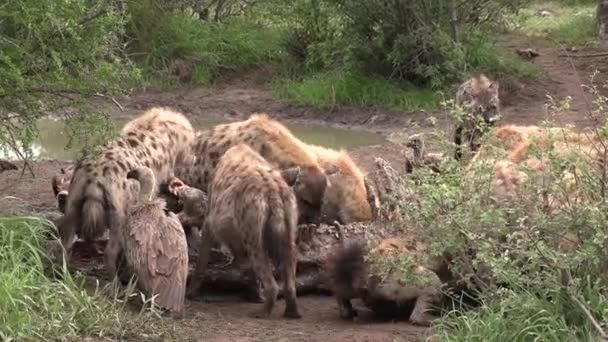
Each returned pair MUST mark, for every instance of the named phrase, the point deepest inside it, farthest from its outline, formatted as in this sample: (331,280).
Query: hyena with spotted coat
(99,195)
(270,139)
(346,199)
(253,211)
(478,97)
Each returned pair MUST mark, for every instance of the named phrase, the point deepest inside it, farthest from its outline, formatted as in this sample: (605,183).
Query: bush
(52,54)
(414,41)
(164,36)
(534,259)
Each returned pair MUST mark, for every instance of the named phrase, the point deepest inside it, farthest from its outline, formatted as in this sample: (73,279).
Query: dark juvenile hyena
(61,184)
(479,99)
(351,275)
(154,245)
(99,191)
(270,139)
(253,211)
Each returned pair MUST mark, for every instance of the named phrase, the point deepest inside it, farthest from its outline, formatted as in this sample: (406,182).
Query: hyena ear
(291,175)
(331,170)
(62,170)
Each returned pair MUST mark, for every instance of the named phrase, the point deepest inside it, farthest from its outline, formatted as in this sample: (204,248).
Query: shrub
(52,54)
(535,261)
(163,36)
(414,41)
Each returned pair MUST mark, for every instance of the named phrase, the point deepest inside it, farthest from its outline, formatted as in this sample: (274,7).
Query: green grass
(351,88)
(34,306)
(524,316)
(483,53)
(234,44)
(574,25)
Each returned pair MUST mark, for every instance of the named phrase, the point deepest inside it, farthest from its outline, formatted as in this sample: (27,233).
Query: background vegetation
(56,55)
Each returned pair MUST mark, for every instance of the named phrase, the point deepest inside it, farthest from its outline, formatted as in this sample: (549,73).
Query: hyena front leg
(458,142)
(204,253)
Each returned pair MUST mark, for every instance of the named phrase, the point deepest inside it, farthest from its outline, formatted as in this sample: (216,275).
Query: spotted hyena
(346,199)
(353,275)
(270,139)
(479,99)
(253,211)
(99,192)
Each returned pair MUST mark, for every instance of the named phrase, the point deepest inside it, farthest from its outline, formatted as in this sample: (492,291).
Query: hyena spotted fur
(352,274)
(346,199)
(253,211)
(270,139)
(99,192)
(478,97)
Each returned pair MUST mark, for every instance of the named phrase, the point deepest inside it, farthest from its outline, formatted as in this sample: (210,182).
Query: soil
(237,97)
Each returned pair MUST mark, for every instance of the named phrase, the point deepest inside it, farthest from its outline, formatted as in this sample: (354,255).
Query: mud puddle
(53,137)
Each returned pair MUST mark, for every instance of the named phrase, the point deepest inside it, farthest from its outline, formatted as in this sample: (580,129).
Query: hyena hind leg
(420,315)
(263,270)
(289,281)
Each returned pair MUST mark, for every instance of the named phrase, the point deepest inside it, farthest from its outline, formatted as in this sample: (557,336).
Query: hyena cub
(352,274)
(270,139)
(154,245)
(61,184)
(98,196)
(479,98)
(253,211)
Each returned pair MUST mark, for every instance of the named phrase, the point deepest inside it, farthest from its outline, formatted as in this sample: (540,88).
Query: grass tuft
(573,24)
(34,305)
(351,88)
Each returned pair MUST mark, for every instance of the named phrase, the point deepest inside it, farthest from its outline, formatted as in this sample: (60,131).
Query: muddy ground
(235,98)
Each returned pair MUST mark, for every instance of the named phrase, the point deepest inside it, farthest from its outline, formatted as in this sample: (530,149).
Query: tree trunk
(602,19)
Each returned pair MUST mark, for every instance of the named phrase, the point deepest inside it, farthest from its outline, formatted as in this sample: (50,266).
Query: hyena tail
(347,268)
(86,210)
(279,227)
(95,216)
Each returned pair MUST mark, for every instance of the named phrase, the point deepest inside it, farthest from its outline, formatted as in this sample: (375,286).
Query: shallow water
(53,138)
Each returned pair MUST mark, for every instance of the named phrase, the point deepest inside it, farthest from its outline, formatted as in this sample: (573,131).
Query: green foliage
(524,316)
(573,24)
(164,36)
(484,54)
(532,246)
(414,41)
(351,88)
(51,54)
(34,306)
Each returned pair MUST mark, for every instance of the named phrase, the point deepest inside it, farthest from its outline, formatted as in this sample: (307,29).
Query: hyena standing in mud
(479,99)
(253,211)
(274,142)
(99,193)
